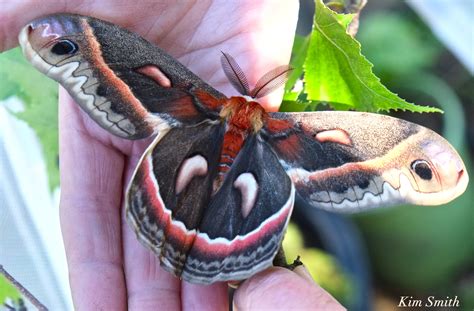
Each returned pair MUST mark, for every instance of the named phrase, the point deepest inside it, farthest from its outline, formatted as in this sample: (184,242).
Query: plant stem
(22,290)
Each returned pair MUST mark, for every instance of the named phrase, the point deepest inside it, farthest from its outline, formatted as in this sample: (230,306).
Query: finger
(282,289)
(16,14)
(91,188)
(272,42)
(267,30)
(204,297)
(147,283)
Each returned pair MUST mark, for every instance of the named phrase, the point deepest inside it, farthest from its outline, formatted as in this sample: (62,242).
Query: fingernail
(234,284)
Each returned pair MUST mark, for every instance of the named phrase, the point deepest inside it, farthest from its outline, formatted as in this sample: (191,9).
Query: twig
(25,293)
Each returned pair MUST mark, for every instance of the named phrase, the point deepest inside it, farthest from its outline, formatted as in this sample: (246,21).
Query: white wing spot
(153,72)
(248,187)
(191,167)
(336,136)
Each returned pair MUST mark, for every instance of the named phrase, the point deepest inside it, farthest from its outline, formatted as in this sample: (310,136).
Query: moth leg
(280,260)
(297,262)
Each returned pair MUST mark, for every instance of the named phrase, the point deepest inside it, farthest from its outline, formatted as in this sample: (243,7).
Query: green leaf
(293,106)
(300,47)
(345,19)
(18,77)
(336,71)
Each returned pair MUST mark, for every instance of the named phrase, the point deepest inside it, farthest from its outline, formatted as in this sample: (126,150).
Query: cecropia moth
(213,193)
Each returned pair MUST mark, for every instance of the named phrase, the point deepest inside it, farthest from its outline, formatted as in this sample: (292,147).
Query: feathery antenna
(267,84)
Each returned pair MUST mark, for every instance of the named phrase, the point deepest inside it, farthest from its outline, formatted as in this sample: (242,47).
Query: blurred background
(421,50)
(424,52)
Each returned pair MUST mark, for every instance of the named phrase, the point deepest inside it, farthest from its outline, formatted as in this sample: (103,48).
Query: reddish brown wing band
(213,193)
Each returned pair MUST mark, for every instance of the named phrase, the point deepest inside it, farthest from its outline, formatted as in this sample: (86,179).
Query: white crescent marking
(191,167)
(248,187)
(336,136)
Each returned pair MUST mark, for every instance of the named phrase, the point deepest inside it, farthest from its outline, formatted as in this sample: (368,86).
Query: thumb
(281,289)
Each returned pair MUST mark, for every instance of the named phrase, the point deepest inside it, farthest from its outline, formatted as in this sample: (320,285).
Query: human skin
(108,268)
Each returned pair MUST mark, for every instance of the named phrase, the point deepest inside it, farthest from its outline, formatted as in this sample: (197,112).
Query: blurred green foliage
(323,267)
(397,44)
(39,94)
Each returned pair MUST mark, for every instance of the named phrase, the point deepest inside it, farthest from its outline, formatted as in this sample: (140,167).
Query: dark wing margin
(127,85)
(353,161)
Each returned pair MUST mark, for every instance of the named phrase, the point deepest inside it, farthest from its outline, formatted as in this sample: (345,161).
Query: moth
(213,193)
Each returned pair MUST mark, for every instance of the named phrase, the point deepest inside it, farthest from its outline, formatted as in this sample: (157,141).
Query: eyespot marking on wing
(336,136)
(248,187)
(64,47)
(154,73)
(422,169)
(191,167)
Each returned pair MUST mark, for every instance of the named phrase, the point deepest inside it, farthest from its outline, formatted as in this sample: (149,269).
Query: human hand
(108,268)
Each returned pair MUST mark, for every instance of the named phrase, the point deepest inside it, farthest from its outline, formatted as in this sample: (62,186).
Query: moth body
(242,117)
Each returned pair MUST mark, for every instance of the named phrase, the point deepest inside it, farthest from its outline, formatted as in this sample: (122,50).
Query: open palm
(108,267)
